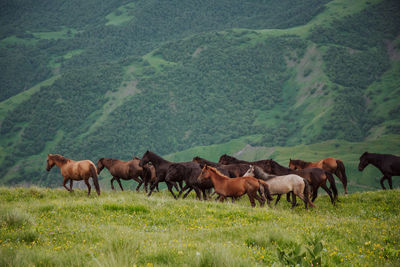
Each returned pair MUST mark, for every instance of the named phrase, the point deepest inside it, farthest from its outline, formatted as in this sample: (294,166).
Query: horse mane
(300,163)
(259,173)
(204,161)
(134,157)
(217,171)
(59,158)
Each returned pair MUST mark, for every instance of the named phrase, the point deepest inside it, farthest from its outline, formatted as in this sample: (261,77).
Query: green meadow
(52,227)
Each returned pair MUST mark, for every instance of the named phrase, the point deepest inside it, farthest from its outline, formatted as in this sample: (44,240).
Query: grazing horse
(74,170)
(278,185)
(119,169)
(160,165)
(331,165)
(388,164)
(231,170)
(235,187)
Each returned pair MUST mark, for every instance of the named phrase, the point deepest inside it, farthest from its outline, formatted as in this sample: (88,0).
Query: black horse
(388,164)
(161,166)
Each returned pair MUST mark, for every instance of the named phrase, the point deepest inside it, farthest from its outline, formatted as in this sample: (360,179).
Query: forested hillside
(114,78)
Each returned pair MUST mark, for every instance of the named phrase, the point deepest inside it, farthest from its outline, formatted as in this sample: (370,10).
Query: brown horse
(331,165)
(74,170)
(119,169)
(231,170)
(235,187)
(150,177)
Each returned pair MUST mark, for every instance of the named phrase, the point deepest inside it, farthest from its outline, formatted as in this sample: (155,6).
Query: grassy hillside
(48,227)
(170,76)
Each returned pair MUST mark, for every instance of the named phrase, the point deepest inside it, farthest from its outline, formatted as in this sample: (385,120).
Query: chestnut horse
(235,187)
(388,164)
(284,184)
(119,169)
(74,170)
(331,165)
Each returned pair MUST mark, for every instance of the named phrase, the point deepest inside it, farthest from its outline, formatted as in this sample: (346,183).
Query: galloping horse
(231,170)
(226,160)
(284,184)
(119,169)
(329,164)
(161,166)
(236,187)
(74,170)
(316,177)
(388,164)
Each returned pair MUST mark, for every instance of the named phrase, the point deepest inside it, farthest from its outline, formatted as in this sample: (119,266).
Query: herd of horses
(229,177)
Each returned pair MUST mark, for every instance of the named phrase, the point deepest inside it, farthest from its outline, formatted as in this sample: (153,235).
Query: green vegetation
(50,227)
(171,76)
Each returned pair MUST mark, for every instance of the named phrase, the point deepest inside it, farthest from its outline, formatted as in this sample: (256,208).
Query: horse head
(145,159)
(100,165)
(205,173)
(50,162)
(363,161)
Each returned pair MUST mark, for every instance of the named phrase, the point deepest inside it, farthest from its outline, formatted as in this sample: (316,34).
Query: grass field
(51,227)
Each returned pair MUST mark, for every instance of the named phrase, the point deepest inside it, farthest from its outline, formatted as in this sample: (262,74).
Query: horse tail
(306,193)
(331,180)
(95,179)
(266,189)
(341,173)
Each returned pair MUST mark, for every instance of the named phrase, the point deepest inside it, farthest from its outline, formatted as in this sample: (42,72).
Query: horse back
(78,169)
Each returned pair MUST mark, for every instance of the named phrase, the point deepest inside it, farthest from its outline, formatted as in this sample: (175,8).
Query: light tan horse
(235,187)
(284,184)
(329,164)
(74,170)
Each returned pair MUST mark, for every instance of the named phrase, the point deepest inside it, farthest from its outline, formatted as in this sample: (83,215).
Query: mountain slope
(166,77)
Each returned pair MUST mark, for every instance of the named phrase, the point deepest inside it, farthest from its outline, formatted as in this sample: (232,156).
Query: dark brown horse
(329,164)
(235,187)
(388,164)
(74,170)
(161,167)
(316,177)
(226,160)
(231,170)
(119,169)
(150,177)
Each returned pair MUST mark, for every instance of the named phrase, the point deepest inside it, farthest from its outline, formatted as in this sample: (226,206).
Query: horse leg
(139,185)
(70,184)
(389,180)
(294,201)
(120,185)
(260,199)
(198,194)
(314,193)
(329,193)
(277,199)
(112,181)
(64,184)
(204,194)
(88,186)
(381,181)
(187,193)
(252,202)
(288,197)
(169,184)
